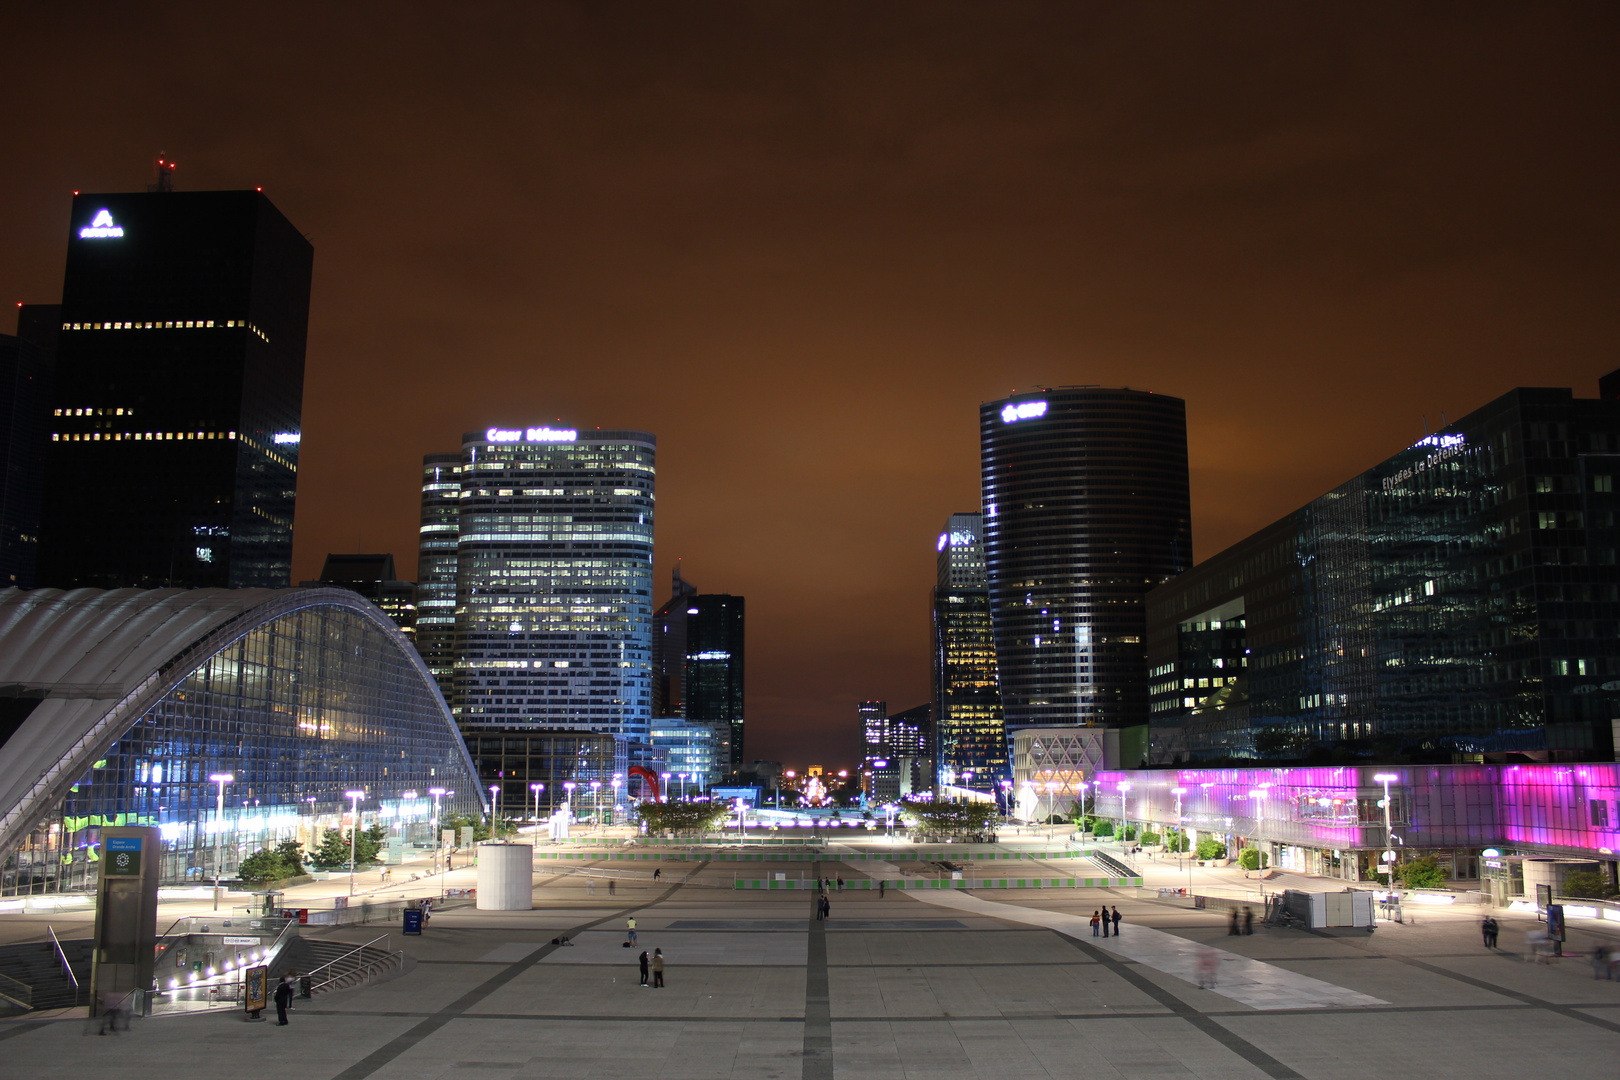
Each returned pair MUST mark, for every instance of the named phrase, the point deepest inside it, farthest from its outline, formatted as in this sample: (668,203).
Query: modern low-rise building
(1339,820)
(230,720)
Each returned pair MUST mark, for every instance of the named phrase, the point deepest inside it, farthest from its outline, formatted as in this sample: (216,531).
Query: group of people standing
(1246,926)
(1102,919)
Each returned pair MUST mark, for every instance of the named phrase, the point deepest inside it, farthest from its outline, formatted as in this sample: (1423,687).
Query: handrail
(10,988)
(345,956)
(63,954)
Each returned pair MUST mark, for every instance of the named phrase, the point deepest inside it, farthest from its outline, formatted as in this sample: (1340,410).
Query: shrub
(1130,832)
(1150,838)
(1252,859)
(1211,849)
(1176,842)
(1421,873)
(1103,828)
(1586,885)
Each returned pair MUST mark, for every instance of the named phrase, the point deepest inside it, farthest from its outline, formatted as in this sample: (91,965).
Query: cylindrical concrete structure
(505,877)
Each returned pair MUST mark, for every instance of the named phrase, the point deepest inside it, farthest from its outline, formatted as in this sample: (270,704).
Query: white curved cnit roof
(100,660)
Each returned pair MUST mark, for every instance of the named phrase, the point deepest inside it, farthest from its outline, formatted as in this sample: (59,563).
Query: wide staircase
(32,976)
(337,965)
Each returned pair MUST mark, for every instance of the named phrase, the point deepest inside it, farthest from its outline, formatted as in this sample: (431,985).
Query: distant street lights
(537,789)
(613,807)
(220,778)
(1124,789)
(1178,792)
(666,777)
(354,798)
(596,801)
(682,778)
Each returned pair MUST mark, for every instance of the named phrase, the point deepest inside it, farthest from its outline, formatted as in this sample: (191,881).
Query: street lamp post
(1006,800)
(596,802)
(1124,788)
(438,836)
(537,789)
(1178,792)
(613,807)
(666,777)
(220,778)
(1388,858)
(1259,797)
(354,798)
(1082,785)
(494,809)
(568,799)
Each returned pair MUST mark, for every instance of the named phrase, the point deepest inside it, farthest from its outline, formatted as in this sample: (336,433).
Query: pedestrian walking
(658,969)
(284,996)
(826,908)
(882,886)
(1248,920)
(590,886)
(1614,962)
(658,873)
(1095,919)
(1105,921)
(613,887)
(643,967)
(1208,964)
(1116,920)
(840,884)
(630,928)
(1600,962)
(1488,930)
(1234,930)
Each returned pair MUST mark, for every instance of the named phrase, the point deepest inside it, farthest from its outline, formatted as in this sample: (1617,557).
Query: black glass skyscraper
(175,418)
(715,627)
(27,362)
(1086,509)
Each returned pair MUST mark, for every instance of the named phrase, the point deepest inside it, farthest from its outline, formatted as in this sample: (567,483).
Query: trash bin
(304,984)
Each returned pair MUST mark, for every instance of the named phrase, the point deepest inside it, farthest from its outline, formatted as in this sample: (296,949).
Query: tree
(1103,827)
(1211,849)
(681,818)
(956,820)
(1421,873)
(1252,859)
(1130,832)
(333,852)
(1150,838)
(285,860)
(1176,842)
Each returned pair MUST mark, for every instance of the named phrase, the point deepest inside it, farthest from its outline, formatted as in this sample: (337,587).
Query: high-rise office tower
(436,567)
(715,624)
(27,363)
(872,715)
(373,577)
(971,738)
(554,581)
(669,648)
(1086,509)
(179,388)
(698,664)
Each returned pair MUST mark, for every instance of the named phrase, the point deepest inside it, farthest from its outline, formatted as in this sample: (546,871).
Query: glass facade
(970,734)
(1085,509)
(27,367)
(692,749)
(436,567)
(1457,602)
(513,760)
(715,665)
(178,394)
(1329,820)
(299,708)
(554,581)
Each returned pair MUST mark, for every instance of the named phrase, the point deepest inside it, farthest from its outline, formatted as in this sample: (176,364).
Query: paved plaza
(936,984)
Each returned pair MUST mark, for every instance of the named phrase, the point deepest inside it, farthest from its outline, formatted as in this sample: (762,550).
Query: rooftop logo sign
(101,226)
(534,434)
(1024,410)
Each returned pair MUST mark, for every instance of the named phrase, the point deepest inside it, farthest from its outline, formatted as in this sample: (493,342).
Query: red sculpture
(649,778)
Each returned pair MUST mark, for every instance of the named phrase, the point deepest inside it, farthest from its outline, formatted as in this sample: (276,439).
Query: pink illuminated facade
(1329,820)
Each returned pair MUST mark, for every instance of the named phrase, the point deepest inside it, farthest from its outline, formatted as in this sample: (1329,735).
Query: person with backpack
(658,969)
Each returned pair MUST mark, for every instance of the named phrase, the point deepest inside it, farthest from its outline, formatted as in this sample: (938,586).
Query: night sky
(802,242)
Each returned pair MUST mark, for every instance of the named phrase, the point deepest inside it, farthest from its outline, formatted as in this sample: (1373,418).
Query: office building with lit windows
(27,366)
(699,665)
(1085,509)
(373,577)
(1456,603)
(178,395)
(970,736)
(554,604)
(439,533)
